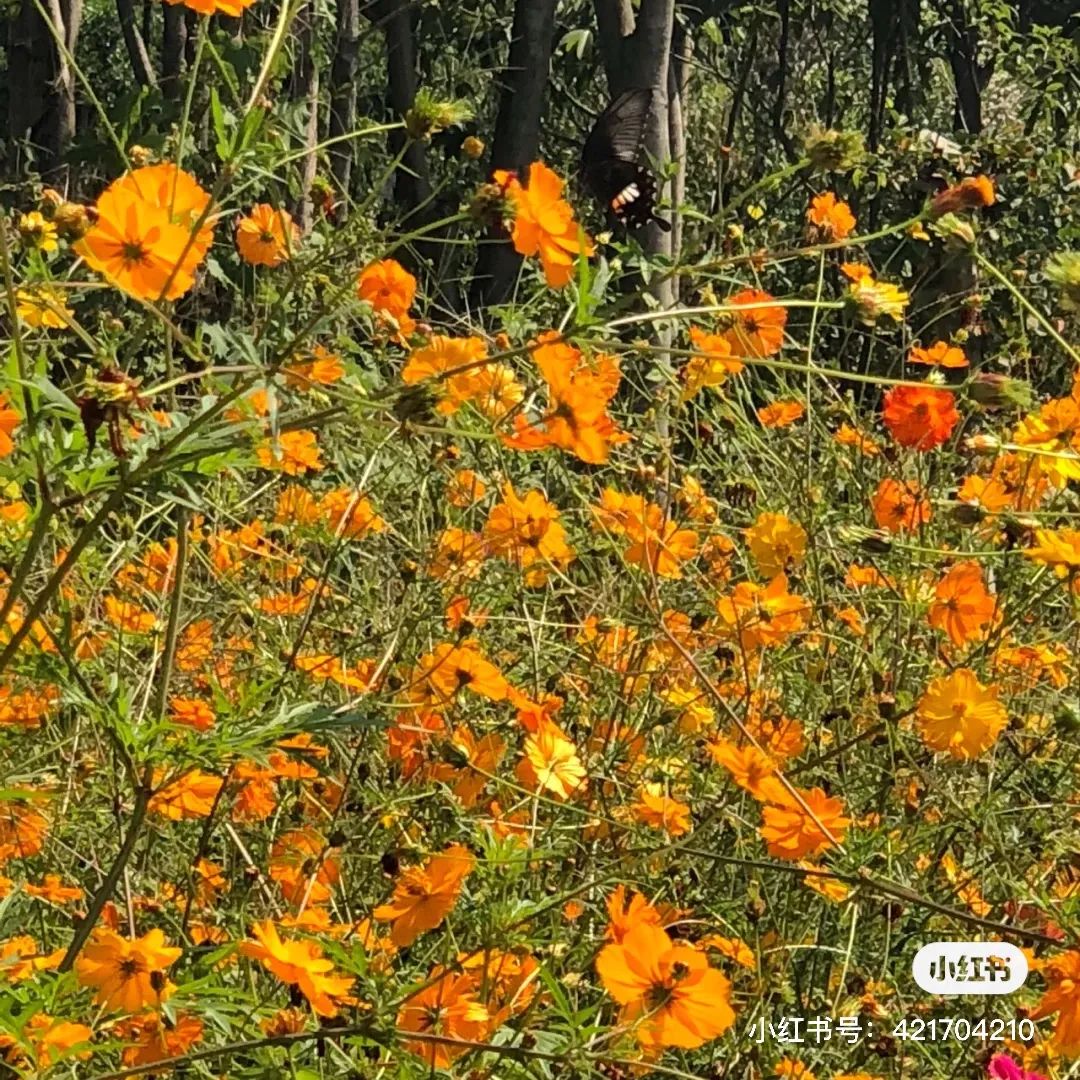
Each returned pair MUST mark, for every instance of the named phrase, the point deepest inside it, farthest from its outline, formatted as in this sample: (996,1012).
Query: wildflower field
(467,611)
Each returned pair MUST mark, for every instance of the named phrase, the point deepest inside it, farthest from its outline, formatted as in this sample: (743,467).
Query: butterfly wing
(610,160)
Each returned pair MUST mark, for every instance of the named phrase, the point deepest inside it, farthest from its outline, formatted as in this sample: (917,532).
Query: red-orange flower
(921,417)
(962,606)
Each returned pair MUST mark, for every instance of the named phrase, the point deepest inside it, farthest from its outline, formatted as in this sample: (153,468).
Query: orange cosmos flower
(192,713)
(266,237)
(971,193)
(962,606)
(233,8)
(192,795)
(550,762)
(300,964)
(141,240)
(129,617)
(295,453)
(763,616)
(22,828)
(958,714)
(526,530)
(657,809)
(158,1038)
(751,769)
(448,1008)
(900,506)
(791,832)
(127,974)
(323,369)
(178,193)
(940,354)
(656,543)
(481,758)
(301,864)
(758,330)
(713,364)
(54,891)
(846,435)
(544,223)
(781,414)
(985,493)
(391,290)
(449,669)
(453,364)
(10,419)
(830,218)
(1062,996)
(624,915)
(667,991)
(921,417)
(776,543)
(425,895)
(465,488)
(361,520)
(579,391)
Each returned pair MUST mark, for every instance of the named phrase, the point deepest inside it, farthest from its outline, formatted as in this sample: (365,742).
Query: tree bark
(173,38)
(31,67)
(517,131)
(344,70)
(305,88)
(678,90)
(135,43)
(412,184)
(969,76)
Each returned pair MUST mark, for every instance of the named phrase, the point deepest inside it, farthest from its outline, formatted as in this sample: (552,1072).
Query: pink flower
(1002,1067)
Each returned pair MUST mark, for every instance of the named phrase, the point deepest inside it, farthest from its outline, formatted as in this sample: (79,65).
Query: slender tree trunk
(678,91)
(135,43)
(31,67)
(412,184)
(969,76)
(881,25)
(305,88)
(173,38)
(65,17)
(517,131)
(343,74)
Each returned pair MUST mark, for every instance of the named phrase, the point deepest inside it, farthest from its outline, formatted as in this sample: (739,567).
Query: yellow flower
(872,300)
(958,714)
(1057,548)
(37,232)
(776,543)
(42,307)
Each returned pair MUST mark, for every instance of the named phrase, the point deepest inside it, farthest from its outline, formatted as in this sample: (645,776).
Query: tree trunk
(31,67)
(643,59)
(305,88)
(969,76)
(412,184)
(173,38)
(135,43)
(517,131)
(678,89)
(343,74)
(881,25)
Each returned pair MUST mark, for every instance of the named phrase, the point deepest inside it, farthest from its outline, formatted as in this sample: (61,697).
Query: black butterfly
(611,161)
